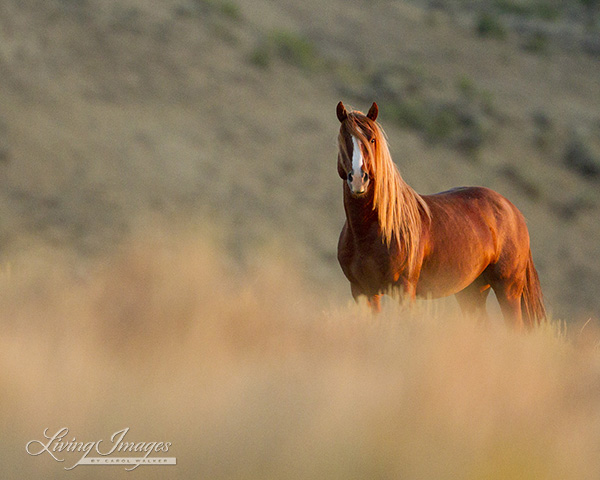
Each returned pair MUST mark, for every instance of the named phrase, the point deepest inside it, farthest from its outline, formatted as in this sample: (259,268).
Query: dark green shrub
(294,49)
(261,57)
(537,43)
(489,25)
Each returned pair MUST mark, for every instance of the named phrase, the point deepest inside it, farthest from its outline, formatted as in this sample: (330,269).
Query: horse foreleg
(406,291)
(374,301)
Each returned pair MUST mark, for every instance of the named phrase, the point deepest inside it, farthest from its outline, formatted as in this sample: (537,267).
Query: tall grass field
(249,373)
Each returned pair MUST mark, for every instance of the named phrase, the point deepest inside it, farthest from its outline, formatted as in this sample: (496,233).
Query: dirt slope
(115,114)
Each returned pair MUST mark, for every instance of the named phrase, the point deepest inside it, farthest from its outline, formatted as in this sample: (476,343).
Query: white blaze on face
(357,184)
(357,157)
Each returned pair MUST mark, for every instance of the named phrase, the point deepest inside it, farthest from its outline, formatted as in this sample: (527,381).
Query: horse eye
(373,140)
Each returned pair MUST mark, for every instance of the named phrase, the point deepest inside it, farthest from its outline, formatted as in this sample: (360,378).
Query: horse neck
(364,223)
(360,214)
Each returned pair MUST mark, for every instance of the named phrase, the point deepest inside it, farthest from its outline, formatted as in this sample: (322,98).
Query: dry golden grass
(250,375)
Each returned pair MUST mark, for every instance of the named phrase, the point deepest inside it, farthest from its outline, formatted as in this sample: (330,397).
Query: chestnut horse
(460,242)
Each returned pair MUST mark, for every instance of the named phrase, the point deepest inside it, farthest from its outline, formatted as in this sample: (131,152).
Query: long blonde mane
(399,207)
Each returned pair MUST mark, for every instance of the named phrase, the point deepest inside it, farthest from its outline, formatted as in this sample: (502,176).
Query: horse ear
(373,112)
(342,114)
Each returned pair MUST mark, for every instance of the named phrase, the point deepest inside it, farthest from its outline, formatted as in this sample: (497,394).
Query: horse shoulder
(346,251)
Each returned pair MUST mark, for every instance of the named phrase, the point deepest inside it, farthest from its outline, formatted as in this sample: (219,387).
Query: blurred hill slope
(221,112)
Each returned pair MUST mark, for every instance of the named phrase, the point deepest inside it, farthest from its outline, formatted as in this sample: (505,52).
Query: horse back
(474,211)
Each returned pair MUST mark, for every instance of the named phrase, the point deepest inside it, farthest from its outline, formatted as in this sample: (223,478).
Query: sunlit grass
(249,375)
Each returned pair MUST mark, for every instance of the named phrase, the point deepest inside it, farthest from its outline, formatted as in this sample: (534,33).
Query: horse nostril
(365,176)
(350,177)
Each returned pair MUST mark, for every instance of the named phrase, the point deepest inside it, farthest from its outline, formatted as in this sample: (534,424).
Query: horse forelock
(356,126)
(399,207)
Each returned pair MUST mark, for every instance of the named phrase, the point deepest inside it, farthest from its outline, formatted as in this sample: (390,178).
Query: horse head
(357,143)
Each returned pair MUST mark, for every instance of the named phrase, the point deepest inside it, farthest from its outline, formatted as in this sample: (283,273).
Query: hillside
(219,116)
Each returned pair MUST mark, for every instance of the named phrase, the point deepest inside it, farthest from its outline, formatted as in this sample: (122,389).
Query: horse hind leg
(509,297)
(472,300)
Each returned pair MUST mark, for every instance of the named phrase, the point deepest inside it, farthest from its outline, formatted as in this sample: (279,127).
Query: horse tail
(534,311)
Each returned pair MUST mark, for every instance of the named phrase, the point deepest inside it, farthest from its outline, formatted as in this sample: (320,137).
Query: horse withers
(460,242)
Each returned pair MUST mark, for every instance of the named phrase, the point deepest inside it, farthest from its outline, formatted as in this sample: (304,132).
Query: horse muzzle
(358,182)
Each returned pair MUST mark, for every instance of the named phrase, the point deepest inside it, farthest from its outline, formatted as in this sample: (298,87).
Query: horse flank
(399,208)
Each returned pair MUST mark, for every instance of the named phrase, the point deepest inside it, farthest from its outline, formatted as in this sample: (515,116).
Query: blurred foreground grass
(250,375)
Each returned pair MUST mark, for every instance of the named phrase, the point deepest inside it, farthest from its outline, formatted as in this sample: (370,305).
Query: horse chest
(374,270)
